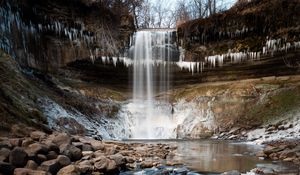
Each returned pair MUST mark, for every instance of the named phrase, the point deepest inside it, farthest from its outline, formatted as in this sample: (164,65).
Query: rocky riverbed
(63,154)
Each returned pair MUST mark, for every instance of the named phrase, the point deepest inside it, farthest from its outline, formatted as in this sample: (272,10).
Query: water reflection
(217,156)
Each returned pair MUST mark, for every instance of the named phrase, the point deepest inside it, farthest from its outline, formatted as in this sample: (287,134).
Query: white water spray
(150,47)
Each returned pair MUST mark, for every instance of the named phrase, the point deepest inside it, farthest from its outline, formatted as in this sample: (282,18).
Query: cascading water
(149,78)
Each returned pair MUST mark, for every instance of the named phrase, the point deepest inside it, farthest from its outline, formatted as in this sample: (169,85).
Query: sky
(172,3)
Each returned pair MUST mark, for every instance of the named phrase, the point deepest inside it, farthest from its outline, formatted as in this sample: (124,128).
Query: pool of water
(215,156)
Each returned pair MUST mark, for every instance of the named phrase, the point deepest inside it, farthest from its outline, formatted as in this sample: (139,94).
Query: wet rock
(261,154)
(270,149)
(69,170)
(63,160)
(274,156)
(129,159)
(18,157)
(146,164)
(31,165)
(6,168)
(38,135)
(51,166)
(289,159)
(181,170)
(4,154)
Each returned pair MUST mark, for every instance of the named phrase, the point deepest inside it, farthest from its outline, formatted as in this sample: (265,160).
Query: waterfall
(150,78)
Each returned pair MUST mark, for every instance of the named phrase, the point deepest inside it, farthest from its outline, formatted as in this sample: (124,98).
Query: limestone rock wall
(48,34)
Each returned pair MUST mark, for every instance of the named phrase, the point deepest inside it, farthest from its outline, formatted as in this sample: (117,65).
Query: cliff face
(49,34)
(243,28)
(256,39)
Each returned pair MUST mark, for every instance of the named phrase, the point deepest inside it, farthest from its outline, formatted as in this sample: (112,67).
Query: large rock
(15,142)
(6,168)
(31,165)
(85,166)
(97,145)
(18,157)
(51,166)
(71,151)
(27,141)
(119,159)
(101,163)
(38,135)
(51,155)
(112,166)
(5,143)
(69,170)
(36,148)
(61,138)
(63,160)
(25,171)
(4,154)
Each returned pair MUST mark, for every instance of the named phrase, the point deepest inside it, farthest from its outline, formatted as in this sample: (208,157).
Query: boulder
(63,160)
(38,135)
(101,163)
(119,159)
(69,170)
(26,142)
(112,166)
(36,148)
(6,168)
(52,147)
(25,171)
(51,155)
(87,153)
(61,138)
(5,143)
(18,157)
(71,151)
(78,144)
(15,142)
(40,158)
(97,145)
(4,154)
(51,166)
(270,149)
(87,147)
(31,165)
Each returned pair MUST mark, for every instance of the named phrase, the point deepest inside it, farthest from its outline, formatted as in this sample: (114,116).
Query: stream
(212,157)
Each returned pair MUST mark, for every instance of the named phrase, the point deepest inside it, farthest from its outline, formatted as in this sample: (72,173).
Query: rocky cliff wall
(49,34)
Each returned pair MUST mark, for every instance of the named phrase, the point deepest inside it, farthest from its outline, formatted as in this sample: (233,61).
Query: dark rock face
(49,34)
(242,28)
(18,157)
